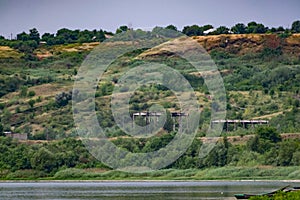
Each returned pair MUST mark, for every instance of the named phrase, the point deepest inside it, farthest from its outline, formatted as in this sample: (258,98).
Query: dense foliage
(48,158)
(42,159)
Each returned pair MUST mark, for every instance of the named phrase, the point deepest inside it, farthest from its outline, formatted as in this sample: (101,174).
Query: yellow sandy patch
(75,47)
(7,52)
(293,39)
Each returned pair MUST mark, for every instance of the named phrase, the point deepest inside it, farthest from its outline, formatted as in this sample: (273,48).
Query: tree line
(239,28)
(66,36)
(27,42)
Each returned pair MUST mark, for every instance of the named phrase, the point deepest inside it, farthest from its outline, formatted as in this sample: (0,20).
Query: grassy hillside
(261,74)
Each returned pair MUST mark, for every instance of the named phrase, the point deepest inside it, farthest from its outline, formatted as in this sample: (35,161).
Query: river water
(133,190)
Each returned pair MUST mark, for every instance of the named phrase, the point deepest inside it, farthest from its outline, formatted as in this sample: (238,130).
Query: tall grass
(223,173)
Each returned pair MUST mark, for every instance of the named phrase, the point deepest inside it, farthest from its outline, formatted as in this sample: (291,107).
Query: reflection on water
(135,190)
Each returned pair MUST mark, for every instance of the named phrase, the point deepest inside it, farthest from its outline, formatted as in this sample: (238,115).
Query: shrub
(23,92)
(63,98)
(31,93)
(268,133)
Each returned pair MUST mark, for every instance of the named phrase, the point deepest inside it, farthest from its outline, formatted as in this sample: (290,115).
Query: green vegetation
(25,161)
(279,196)
(261,77)
(262,157)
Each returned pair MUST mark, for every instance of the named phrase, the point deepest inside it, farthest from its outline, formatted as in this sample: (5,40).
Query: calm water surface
(145,190)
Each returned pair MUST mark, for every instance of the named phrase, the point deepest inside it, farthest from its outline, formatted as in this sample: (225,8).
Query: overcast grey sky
(50,15)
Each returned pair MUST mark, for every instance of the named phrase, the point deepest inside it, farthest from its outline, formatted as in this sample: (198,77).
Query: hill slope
(262,81)
(260,72)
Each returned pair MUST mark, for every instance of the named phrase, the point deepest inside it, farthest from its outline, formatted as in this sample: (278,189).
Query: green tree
(172,27)
(193,30)
(268,133)
(6,115)
(63,98)
(65,35)
(296,158)
(280,29)
(221,30)
(156,143)
(254,27)
(253,143)
(31,103)
(27,46)
(217,157)
(34,35)
(48,38)
(43,160)
(31,93)
(296,26)
(206,27)
(23,92)
(260,28)
(23,36)
(239,28)
(20,157)
(122,29)
(101,35)
(286,151)
(168,126)
(251,26)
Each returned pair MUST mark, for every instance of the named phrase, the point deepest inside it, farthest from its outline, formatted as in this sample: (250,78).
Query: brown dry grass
(290,135)
(75,47)
(43,53)
(270,116)
(36,128)
(49,89)
(33,142)
(294,39)
(44,90)
(7,52)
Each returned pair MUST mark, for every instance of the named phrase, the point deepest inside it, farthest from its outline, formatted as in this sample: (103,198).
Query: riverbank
(222,173)
(279,196)
(126,190)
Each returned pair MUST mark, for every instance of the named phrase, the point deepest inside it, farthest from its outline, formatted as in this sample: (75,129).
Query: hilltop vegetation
(260,73)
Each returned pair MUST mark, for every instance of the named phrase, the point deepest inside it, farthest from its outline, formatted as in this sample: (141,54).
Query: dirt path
(269,116)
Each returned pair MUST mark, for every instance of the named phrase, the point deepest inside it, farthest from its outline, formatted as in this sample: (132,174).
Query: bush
(63,98)
(218,54)
(23,92)
(31,93)
(271,53)
(268,133)
(44,160)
